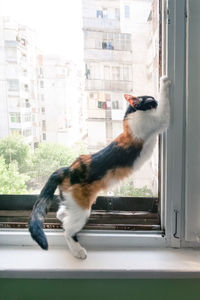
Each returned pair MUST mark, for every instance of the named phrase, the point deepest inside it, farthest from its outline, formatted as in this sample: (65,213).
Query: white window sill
(32,262)
(110,255)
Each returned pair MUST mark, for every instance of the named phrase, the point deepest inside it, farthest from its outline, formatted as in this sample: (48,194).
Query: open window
(73,114)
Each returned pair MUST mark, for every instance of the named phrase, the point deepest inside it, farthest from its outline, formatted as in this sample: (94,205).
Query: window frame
(172,151)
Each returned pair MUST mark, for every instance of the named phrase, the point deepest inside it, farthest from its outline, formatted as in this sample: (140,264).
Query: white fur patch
(73,218)
(145,124)
(145,153)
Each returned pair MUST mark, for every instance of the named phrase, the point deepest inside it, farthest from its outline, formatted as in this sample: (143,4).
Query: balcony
(108,85)
(100,23)
(108,55)
(15,125)
(96,114)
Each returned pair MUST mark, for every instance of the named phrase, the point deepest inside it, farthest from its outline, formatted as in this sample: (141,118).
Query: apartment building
(141,19)
(18,82)
(60,94)
(108,70)
(122,55)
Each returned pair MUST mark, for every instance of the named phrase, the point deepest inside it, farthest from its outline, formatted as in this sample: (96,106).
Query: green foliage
(128,190)
(11,181)
(13,148)
(49,157)
(22,170)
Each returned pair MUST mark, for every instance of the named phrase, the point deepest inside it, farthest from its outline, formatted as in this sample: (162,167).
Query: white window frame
(191,226)
(173,139)
(172,155)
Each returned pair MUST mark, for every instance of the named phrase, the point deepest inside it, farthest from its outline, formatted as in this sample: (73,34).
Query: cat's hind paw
(79,252)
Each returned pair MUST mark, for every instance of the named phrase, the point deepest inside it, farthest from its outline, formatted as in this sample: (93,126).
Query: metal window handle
(176,224)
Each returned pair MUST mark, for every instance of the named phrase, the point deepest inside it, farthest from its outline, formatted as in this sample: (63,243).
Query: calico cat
(80,183)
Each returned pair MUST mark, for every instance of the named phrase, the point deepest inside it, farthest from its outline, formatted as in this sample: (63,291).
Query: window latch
(176,212)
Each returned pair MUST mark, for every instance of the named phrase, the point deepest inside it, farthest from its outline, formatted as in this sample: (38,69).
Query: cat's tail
(42,206)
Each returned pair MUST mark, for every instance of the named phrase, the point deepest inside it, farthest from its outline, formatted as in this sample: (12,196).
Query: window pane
(66,99)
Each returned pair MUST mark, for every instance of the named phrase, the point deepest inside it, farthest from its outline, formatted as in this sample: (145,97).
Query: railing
(108,85)
(109,55)
(100,23)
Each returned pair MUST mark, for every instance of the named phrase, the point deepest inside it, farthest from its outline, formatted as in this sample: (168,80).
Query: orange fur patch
(85,195)
(64,186)
(125,140)
(82,159)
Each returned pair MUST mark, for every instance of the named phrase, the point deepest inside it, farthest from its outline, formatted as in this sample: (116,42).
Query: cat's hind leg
(73,218)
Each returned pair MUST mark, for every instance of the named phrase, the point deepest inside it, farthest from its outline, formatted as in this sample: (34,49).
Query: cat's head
(140,103)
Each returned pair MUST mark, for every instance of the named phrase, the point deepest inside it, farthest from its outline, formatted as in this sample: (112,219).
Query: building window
(13,85)
(107,72)
(43,110)
(44,136)
(26,87)
(27,117)
(126,11)
(15,118)
(87,71)
(27,132)
(116,73)
(43,125)
(105,13)
(107,97)
(16,131)
(41,84)
(27,103)
(41,73)
(117,13)
(107,45)
(99,14)
(115,104)
(126,73)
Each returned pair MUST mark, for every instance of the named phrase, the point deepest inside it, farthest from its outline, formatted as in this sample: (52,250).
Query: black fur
(111,157)
(42,206)
(79,175)
(75,238)
(146,103)
(130,109)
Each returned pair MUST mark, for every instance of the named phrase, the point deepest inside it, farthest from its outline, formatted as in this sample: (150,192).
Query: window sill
(137,262)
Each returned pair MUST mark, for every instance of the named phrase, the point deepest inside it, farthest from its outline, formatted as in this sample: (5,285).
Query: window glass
(62,90)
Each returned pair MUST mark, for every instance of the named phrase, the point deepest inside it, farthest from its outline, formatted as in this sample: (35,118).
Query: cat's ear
(131,99)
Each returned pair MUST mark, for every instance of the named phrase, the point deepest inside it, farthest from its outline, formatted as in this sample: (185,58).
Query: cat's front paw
(165,81)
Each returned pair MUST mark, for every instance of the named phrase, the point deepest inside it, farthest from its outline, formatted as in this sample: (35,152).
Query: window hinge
(176,212)
(186,14)
(168,16)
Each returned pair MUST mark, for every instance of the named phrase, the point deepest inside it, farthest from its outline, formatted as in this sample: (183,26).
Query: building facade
(108,70)
(60,95)
(122,55)
(18,82)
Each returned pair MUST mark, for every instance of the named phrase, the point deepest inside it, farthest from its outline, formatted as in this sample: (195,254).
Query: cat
(80,183)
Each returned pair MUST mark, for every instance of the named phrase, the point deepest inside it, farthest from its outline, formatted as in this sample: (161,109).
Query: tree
(127,189)
(49,157)
(11,181)
(13,148)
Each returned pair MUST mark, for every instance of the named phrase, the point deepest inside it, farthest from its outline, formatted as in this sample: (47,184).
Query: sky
(57,23)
